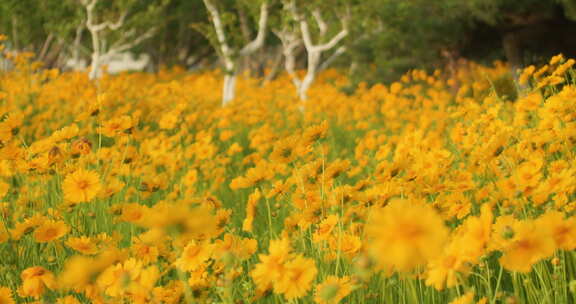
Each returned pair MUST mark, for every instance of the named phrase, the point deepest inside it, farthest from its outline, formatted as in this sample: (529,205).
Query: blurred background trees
(375,40)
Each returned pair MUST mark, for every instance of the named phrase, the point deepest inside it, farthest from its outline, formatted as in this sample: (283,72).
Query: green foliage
(387,37)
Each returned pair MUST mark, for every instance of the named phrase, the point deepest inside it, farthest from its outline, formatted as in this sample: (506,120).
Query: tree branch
(322,26)
(119,48)
(220,34)
(332,43)
(258,42)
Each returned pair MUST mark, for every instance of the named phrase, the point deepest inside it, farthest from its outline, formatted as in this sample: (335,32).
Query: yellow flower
(78,273)
(170,293)
(474,234)
(284,150)
(35,280)
(556,59)
(81,146)
(529,244)
(67,300)
(241,248)
(116,126)
(194,255)
(562,230)
(4,235)
(128,278)
(145,252)
(297,278)
(271,267)
(81,186)
(253,200)
(169,120)
(530,102)
(314,133)
(50,230)
(564,67)
(82,244)
(467,298)
(346,243)
(405,234)
(133,212)
(325,228)
(333,290)
(6,295)
(445,270)
(4,187)
(190,178)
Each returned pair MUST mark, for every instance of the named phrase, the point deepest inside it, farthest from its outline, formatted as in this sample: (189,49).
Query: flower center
(83,184)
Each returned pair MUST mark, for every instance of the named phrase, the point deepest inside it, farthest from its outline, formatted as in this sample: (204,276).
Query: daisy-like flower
(67,300)
(297,279)
(333,290)
(6,296)
(467,298)
(81,186)
(325,228)
(35,280)
(253,200)
(406,234)
(271,266)
(314,133)
(50,230)
(529,243)
(128,278)
(194,255)
(82,244)
(116,126)
(284,150)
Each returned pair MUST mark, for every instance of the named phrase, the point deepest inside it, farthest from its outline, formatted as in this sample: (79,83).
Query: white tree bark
(290,43)
(229,56)
(100,51)
(313,50)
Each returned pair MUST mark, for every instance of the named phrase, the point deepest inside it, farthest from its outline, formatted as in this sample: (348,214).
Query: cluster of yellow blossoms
(140,188)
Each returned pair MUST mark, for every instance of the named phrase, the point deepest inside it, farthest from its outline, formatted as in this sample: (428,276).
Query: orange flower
(35,280)
(194,255)
(271,267)
(562,230)
(528,245)
(133,212)
(67,300)
(82,244)
(333,290)
(4,187)
(50,230)
(81,146)
(314,133)
(253,200)
(241,248)
(81,186)
(297,279)
(406,234)
(116,126)
(6,296)
(128,278)
(325,228)
(284,150)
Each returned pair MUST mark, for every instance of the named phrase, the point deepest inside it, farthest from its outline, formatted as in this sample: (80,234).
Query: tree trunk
(95,65)
(229,89)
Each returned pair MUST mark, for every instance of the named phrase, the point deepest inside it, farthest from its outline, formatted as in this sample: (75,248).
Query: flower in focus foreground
(81,186)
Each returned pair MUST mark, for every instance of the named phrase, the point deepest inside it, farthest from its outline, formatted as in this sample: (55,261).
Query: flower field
(142,188)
